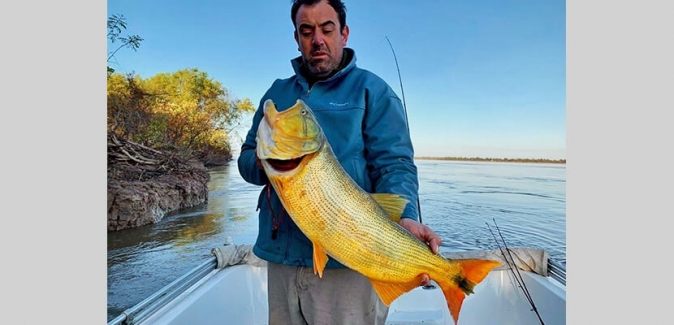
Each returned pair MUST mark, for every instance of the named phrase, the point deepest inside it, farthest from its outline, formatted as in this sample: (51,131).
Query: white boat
(231,288)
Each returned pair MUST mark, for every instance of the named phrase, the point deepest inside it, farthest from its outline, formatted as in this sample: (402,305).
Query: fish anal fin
(320,260)
(393,204)
(388,292)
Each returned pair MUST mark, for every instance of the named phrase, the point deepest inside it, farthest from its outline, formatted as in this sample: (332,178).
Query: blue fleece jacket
(364,122)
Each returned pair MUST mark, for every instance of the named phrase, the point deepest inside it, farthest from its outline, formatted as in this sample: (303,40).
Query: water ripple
(458,200)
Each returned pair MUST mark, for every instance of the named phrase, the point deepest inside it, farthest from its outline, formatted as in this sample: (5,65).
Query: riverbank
(145,184)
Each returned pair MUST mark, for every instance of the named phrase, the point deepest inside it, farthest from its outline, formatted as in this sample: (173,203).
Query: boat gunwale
(144,309)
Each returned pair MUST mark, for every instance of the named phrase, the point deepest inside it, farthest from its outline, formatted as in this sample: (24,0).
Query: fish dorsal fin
(320,260)
(393,204)
(388,292)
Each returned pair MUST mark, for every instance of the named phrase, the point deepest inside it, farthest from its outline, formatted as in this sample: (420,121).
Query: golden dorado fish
(356,228)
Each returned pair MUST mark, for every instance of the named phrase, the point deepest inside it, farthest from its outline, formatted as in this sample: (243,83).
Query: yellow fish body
(356,228)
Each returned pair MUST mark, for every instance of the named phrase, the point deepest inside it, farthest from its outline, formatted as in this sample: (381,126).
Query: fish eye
(303,112)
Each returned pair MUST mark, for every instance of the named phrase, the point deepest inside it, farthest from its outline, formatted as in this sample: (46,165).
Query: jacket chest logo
(339,104)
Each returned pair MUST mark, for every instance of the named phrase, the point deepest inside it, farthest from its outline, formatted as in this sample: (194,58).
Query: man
(365,124)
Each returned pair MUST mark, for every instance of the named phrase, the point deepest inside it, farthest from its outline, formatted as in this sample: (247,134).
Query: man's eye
(327,31)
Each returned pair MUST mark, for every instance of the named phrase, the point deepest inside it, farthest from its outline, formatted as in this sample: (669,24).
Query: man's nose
(318,39)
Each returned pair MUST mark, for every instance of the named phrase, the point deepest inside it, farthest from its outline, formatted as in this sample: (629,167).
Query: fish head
(286,139)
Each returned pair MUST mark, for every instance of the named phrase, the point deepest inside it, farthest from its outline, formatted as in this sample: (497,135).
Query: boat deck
(238,295)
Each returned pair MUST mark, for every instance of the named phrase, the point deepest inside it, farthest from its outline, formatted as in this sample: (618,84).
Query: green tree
(130,112)
(185,109)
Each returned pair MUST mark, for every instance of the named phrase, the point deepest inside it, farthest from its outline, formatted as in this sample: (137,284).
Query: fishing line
(404,109)
(401,82)
(520,280)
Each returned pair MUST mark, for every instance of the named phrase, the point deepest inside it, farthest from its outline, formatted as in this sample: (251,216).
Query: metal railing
(151,304)
(557,271)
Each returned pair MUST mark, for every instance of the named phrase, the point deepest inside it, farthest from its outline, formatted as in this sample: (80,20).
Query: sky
(480,78)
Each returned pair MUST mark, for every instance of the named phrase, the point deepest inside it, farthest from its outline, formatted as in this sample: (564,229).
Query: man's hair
(335,4)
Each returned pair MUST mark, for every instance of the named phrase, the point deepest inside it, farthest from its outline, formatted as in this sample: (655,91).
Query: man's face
(319,38)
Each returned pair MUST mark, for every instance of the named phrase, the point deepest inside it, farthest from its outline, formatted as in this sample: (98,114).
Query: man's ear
(345,35)
(297,40)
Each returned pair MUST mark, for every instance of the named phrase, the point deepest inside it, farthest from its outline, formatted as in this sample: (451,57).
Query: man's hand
(426,235)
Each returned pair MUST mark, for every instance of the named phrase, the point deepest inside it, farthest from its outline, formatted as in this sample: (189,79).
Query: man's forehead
(319,14)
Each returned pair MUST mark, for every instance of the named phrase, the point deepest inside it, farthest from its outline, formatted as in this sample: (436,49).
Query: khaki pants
(342,296)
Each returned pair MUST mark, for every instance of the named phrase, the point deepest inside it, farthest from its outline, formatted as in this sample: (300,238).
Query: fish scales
(326,201)
(346,223)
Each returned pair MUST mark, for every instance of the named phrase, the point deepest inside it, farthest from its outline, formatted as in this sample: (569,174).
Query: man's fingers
(435,245)
(424,233)
(425,280)
(432,239)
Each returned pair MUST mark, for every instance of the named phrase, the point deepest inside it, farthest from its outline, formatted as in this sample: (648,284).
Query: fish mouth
(284,165)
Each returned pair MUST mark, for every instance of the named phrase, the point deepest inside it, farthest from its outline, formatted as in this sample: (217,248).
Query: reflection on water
(457,200)
(145,259)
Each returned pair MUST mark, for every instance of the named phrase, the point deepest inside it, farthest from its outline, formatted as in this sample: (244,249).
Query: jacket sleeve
(246,161)
(389,150)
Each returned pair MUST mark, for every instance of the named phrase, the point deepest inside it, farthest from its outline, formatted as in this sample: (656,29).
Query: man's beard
(322,68)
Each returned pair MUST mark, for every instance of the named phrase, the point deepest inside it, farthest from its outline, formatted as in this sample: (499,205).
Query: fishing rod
(401,82)
(404,108)
(518,276)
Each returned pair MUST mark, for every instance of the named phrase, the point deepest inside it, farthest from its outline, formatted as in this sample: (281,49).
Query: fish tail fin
(456,285)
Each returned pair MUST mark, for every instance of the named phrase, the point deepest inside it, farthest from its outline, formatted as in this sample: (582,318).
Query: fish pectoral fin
(393,204)
(320,260)
(388,292)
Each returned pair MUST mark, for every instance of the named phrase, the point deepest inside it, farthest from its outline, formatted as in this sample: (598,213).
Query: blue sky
(481,78)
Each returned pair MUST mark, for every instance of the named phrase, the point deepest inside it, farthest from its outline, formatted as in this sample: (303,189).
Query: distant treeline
(516,160)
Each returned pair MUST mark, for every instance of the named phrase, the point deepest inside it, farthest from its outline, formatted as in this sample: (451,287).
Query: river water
(458,199)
